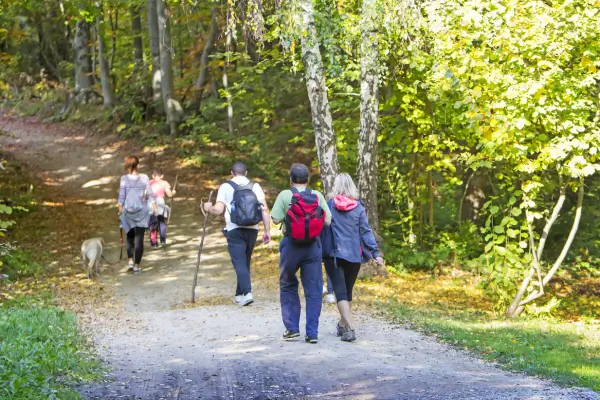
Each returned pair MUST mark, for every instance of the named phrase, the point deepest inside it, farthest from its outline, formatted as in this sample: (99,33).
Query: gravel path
(226,352)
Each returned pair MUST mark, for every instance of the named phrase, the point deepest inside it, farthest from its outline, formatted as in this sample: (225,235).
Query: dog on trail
(91,252)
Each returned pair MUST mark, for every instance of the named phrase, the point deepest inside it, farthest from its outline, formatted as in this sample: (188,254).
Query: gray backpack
(134,206)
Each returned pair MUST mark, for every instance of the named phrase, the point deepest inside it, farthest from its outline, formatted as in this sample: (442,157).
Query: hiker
(134,210)
(304,212)
(349,241)
(245,206)
(158,224)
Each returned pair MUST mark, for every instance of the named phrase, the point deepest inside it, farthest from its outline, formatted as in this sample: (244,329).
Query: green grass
(42,354)
(566,352)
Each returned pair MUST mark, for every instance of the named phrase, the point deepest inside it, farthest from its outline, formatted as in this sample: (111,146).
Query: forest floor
(159,346)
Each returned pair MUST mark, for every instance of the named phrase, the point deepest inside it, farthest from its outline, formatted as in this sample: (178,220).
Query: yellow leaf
(121,127)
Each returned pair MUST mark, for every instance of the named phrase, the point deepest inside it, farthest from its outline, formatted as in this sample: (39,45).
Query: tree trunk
(107,90)
(474,196)
(136,27)
(208,47)
(225,81)
(369,113)
(166,59)
(154,35)
(114,28)
(317,95)
(83,61)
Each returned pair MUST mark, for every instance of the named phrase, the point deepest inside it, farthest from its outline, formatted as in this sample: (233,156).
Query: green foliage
(42,355)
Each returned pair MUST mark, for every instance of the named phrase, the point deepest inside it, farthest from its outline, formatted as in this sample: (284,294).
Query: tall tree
(369,112)
(136,27)
(229,37)
(166,58)
(208,47)
(317,95)
(107,90)
(154,35)
(83,61)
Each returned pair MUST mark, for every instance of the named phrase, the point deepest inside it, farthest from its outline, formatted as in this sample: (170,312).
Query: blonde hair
(344,185)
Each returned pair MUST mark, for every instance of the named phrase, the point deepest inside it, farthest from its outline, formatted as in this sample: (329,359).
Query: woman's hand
(155,209)
(120,208)
(379,260)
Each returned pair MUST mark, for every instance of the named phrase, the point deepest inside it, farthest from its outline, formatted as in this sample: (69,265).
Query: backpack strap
(234,185)
(294,190)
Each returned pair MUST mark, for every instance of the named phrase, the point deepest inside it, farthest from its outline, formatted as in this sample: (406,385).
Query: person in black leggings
(135,244)
(353,243)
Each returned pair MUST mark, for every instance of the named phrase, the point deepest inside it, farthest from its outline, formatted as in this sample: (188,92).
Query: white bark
(166,59)
(107,90)
(153,34)
(225,79)
(210,42)
(369,112)
(317,95)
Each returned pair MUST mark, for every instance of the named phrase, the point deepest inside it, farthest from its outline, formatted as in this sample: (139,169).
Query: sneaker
(287,335)
(246,300)
(340,330)
(311,339)
(163,245)
(155,246)
(131,266)
(136,270)
(330,298)
(349,335)
(238,299)
(324,289)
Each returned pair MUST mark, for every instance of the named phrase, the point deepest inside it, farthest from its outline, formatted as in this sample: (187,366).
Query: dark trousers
(162,230)
(135,244)
(308,259)
(240,243)
(343,277)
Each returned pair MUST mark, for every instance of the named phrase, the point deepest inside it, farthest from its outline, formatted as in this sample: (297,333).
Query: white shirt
(225,196)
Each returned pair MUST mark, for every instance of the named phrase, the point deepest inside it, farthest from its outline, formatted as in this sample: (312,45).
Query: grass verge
(42,354)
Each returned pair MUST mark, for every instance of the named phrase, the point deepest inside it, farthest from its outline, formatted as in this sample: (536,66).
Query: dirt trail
(226,352)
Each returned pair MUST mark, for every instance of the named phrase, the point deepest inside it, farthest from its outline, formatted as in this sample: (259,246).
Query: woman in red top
(160,188)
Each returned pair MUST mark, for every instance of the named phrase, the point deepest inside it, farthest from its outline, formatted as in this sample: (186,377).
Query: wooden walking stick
(206,215)
(171,210)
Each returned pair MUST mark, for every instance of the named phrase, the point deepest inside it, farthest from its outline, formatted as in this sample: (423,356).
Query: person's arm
(170,192)
(325,207)
(219,207)
(121,198)
(368,238)
(278,211)
(266,217)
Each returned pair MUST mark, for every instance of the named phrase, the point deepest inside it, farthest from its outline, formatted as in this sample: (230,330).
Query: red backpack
(304,219)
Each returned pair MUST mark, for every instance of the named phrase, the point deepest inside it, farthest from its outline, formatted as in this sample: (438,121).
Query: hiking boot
(247,300)
(238,299)
(311,339)
(340,330)
(288,335)
(330,298)
(349,335)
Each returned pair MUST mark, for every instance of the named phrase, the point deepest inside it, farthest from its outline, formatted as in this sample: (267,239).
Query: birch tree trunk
(83,61)
(166,59)
(154,35)
(369,113)
(107,90)
(136,27)
(317,95)
(225,79)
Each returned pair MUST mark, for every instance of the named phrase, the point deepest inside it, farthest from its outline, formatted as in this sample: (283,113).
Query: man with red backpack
(245,206)
(304,212)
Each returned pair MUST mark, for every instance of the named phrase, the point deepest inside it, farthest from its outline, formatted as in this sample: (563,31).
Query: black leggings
(343,277)
(135,244)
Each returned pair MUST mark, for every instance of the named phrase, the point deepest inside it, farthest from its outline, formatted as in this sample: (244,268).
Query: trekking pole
(121,240)
(206,215)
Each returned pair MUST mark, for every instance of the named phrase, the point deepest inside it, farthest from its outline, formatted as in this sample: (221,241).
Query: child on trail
(158,224)
(349,241)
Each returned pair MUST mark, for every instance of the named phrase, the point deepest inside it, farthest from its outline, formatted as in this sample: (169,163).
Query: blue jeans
(308,259)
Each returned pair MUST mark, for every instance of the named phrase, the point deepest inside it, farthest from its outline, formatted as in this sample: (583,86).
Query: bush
(42,355)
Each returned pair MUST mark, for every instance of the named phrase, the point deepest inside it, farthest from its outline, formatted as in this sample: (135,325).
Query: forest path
(222,351)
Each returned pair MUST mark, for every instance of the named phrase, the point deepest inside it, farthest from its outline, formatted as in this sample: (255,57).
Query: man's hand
(379,260)
(173,192)
(207,206)
(266,237)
